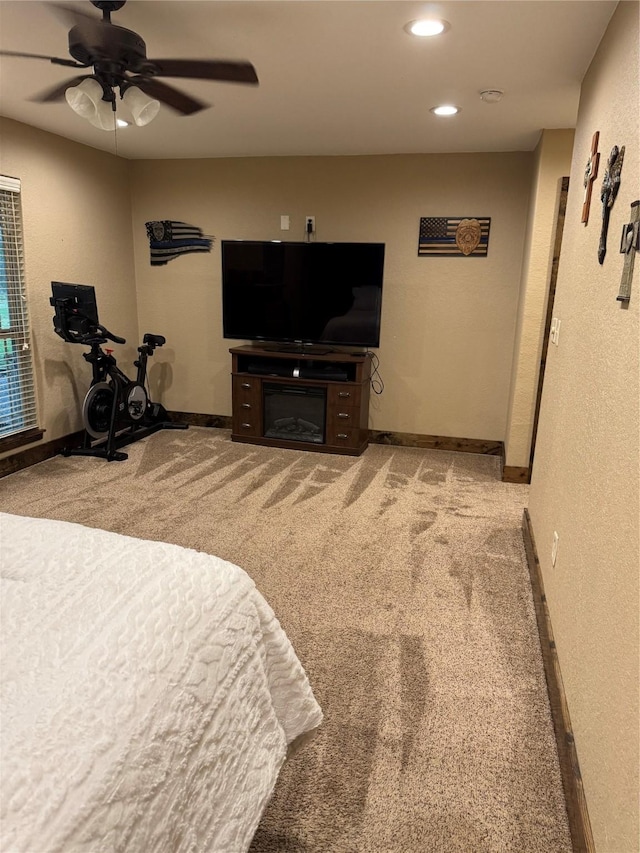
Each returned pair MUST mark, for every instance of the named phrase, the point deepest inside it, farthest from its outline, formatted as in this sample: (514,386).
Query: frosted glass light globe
(84,98)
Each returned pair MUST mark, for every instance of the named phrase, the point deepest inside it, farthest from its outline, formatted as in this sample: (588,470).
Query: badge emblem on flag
(468,235)
(158,230)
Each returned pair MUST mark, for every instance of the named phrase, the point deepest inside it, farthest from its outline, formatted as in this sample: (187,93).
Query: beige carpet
(401,580)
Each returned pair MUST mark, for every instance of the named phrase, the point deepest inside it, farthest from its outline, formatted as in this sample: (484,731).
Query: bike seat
(154,340)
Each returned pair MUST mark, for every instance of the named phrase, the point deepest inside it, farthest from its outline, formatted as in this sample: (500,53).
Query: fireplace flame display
(294,413)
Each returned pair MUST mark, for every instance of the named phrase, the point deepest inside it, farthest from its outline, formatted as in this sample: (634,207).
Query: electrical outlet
(310,225)
(284,223)
(554,548)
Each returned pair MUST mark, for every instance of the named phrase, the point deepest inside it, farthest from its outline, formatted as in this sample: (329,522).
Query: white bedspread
(148,695)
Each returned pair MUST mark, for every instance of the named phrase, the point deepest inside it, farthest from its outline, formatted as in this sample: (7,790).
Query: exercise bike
(116,410)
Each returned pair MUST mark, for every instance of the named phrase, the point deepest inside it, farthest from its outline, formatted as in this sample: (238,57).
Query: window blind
(17,390)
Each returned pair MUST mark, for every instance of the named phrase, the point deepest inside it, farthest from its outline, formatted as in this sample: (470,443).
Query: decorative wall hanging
(608,193)
(629,245)
(590,174)
(168,239)
(454,236)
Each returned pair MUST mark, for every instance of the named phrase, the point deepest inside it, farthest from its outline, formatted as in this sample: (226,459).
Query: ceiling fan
(119,60)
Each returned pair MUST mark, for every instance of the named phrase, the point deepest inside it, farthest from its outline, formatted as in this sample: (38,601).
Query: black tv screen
(329,293)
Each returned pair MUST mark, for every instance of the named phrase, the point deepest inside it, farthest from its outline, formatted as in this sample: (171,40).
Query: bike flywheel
(96,409)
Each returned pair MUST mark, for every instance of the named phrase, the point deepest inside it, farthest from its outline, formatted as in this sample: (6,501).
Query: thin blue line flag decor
(454,236)
(168,239)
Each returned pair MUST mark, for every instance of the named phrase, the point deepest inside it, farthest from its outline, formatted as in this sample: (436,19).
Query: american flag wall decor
(454,236)
(169,238)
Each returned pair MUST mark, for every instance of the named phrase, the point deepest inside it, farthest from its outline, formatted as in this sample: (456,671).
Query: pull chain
(115,131)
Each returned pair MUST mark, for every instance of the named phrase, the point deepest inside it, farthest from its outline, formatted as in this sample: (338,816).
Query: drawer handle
(246,426)
(245,385)
(344,393)
(343,415)
(342,435)
(246,405)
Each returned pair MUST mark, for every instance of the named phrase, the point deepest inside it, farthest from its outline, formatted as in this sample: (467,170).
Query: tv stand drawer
(247,405)
(339,436)
(339,396)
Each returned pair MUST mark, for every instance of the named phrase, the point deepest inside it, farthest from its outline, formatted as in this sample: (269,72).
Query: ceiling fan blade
(178,101)
(207,69)
(54,59)
(57,93)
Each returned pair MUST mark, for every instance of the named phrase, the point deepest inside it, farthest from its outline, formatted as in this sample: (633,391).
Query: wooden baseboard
(514,474)
(33,455)
(436,442)
(198,419)
(579,825)
(400,439)
(48,449)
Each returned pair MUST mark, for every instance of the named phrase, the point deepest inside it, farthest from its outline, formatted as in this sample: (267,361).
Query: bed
(149,695)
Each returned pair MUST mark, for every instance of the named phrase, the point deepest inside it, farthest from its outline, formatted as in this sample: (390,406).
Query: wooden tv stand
(307,400)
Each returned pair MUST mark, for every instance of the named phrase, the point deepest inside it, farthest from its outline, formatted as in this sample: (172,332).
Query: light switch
(284,223)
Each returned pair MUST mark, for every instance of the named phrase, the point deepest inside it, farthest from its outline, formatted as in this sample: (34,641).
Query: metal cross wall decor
(629,245)
(590,174)
(608,193)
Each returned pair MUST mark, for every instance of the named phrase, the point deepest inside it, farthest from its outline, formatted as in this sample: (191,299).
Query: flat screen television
(302,293)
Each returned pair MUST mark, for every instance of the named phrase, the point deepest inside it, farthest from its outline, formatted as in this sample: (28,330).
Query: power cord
(309,232)
(377,385)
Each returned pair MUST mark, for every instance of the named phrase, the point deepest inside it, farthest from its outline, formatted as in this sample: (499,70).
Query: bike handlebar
(105,333)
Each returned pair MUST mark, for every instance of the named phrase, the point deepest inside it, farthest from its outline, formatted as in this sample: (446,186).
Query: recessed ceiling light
(427,27)
(122,123)
(445,110)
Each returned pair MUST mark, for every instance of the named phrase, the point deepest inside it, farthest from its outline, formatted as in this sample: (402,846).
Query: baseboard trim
(578,816)
(514,474)
(400,439)
(436,442)
(33,455)
(198,419)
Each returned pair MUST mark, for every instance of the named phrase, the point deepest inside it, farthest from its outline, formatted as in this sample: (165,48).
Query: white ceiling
(336,76)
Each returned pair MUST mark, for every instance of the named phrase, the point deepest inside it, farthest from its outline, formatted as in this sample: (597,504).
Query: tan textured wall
(585,475)
(77,228)
(552,163)
(447,324)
